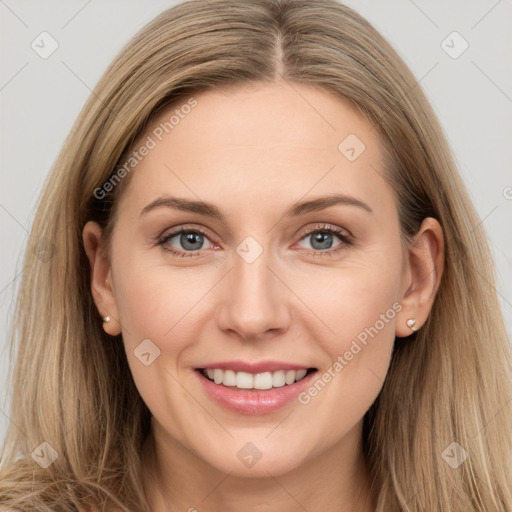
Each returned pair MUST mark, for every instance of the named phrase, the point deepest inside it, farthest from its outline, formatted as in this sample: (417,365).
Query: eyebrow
(210,210)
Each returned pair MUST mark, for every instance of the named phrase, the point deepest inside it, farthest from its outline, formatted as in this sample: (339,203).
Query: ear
(102,288)
(422,276)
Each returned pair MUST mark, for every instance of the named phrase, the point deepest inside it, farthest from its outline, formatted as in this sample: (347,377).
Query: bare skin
(253,152)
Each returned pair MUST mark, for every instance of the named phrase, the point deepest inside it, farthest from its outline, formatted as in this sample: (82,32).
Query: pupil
(188,240)
(321,241)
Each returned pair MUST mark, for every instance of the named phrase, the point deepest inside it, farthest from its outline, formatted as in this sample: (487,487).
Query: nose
(255,303)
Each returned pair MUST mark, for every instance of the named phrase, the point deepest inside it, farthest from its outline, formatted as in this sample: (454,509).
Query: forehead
(254,142)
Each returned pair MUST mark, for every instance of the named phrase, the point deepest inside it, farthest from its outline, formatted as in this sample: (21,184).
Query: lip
(261,367)
(254,402)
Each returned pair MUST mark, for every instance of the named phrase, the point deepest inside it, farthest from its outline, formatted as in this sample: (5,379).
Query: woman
(266,290)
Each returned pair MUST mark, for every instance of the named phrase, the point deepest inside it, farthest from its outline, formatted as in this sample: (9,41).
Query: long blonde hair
(72,387)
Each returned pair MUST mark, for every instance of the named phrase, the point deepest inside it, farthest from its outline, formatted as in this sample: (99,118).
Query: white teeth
(290,377)
(278,379)
(244,380)
(300,374)
(218,376)
(229,378)
(263,380)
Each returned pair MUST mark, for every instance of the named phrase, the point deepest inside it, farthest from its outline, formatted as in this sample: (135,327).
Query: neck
(176,479)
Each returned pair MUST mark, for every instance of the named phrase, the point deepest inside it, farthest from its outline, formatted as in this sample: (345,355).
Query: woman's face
(291,259)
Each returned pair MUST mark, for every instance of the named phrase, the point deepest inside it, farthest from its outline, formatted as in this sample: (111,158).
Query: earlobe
(425,259)
(411,323)
(102,289)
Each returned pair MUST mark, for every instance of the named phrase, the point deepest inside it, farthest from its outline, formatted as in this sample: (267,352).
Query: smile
(254,389)
(258,381)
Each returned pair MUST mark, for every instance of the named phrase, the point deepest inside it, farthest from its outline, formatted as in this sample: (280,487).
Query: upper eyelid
(325,227)
(171,232)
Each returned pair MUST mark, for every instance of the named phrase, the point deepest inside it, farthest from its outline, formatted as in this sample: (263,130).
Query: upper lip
(260,367)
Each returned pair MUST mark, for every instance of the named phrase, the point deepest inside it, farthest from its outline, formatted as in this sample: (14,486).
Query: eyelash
(346,240)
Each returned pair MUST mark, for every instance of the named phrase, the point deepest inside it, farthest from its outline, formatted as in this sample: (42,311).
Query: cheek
(357,306)
(357,296)
(163,304)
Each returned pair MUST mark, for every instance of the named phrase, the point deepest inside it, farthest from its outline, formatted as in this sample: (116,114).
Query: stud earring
(411,323)
(106,319)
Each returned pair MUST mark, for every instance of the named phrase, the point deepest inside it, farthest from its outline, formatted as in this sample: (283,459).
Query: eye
(185,241)
(326,239)
(322,240)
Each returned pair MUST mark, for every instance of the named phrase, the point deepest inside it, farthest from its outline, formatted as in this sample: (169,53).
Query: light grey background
(40,98)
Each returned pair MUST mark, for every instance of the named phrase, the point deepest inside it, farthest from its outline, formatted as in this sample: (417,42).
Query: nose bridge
(254,301)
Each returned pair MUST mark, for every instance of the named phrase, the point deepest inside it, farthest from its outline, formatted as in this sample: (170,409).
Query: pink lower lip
(253,402)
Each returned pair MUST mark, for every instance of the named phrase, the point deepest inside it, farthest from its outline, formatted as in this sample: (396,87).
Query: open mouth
(257,382)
